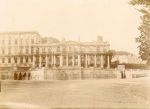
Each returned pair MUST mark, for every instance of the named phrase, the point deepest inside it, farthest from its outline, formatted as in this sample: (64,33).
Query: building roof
(19,32)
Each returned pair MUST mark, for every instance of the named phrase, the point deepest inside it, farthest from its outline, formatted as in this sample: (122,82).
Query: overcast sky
(115,20)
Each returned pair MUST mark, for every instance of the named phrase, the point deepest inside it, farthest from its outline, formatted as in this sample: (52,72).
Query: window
(26,59)
(31,59)
(32,50)
(3,60)
(16,41)
(15,59)
(58,49)
(43,50)
(21,41)
(64,48)
(9,60)
(3,51)
(26,41)
(49,50)
(37,50)
(9,41)
(69,48)
(98,48)
(3,41)
(27,51)
(21,49)
(21,60)
(9,50)
(76,60)
(75,48)
(32,41)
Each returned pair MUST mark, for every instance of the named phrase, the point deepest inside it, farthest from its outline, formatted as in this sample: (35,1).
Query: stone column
(102,61)
(7,60)
(67,60)
(54,61)
(12,60)
(108,63)
(61,60)
(72,60)
(85,60)
(88,60)
(46,61)
(95,61)
(33,61)
(79,60)
(40,61)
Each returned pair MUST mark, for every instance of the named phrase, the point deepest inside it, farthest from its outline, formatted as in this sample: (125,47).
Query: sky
(115,20)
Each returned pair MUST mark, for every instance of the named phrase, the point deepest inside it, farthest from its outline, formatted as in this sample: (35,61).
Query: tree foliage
(144,28)
(140,2)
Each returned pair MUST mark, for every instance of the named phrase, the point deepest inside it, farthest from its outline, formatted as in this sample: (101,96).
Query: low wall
(137,73)
(37,74)
(79,73)
(76,73)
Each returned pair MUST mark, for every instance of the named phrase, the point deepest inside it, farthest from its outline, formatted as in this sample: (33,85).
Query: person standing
(15,76)
(24,76)
(29,76)
(20,76)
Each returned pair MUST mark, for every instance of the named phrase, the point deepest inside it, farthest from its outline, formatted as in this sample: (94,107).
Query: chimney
(63,39)
(99,38)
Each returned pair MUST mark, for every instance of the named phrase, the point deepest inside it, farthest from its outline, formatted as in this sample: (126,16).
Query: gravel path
(107,94)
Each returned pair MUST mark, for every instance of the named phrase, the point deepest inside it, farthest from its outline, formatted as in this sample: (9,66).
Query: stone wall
(79,73)
(132,73)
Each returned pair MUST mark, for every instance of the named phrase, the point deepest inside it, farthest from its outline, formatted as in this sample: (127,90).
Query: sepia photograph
(74,54)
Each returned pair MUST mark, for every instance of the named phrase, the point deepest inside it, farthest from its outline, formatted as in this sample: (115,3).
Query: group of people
(22,76)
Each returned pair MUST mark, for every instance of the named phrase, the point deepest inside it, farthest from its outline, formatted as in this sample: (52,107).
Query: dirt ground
(104,93)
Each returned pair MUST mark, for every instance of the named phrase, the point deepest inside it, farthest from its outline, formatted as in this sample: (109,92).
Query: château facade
(21,50)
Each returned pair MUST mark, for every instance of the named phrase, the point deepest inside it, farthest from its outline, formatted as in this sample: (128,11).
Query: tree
(144,28)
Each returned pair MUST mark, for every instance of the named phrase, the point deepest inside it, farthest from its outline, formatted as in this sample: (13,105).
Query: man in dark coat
(24,75)
(29,76)
(20,76)
(15,76)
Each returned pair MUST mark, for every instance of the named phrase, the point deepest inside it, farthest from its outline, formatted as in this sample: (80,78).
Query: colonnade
(53,60)
(80,60)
